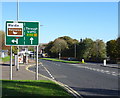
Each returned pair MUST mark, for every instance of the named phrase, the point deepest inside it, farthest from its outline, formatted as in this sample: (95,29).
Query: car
(72,59)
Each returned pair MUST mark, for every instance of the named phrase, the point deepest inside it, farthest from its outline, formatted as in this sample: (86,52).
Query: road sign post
(22,33)
(36,63)
(10,62)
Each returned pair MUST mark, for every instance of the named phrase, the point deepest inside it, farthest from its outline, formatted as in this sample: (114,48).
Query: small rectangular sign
(15,29)
(22,33)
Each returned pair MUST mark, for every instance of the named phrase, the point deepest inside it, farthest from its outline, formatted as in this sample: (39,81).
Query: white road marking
(90,68)
(106,71)
(114,74)
(48,72)
(98,70)
(94,69)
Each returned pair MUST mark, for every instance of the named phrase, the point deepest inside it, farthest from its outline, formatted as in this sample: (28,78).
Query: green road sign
(22,33)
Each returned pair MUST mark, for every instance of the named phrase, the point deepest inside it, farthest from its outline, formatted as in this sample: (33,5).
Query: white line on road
(114,74)
(90,68)
(48,72)
(94,69)
(98,69)
(106,71)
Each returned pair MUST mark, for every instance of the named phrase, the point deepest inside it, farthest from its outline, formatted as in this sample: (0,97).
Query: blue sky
(95,20)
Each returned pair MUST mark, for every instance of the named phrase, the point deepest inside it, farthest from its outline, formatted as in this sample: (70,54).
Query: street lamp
(75,49)
(59,51)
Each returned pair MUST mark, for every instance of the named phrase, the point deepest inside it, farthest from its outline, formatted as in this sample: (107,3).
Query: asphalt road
(89,80)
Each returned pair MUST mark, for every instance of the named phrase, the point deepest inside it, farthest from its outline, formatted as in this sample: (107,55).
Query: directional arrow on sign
(15,41)
(31,39)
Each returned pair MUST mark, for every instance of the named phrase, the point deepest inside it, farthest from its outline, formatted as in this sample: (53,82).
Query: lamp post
(59,51)
(75,49)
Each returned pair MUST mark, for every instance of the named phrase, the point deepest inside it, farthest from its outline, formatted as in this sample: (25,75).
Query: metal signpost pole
(10,62)
(17,67)
(17,10)
(34,52)
(17,46)
(36,63)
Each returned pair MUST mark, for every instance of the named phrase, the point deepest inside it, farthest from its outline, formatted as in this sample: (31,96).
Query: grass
(5,59)
(32,88)
(58,60)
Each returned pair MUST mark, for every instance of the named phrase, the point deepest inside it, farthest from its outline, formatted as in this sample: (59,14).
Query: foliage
(2,40)
(99,50)
(112,49)
(91,50)
(59,45)
(31,48)
(63,44)
(87,48)
(69,52)
(14,49)
(47,49)
(118,47)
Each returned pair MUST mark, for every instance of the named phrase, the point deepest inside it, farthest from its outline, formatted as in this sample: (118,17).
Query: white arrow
(15,41)
(31,39)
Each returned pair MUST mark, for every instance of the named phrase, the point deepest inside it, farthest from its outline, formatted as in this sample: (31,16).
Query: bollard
(83,61)
(15,60)
(104,62)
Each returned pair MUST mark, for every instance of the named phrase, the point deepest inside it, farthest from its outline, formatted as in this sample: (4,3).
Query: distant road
(87,79)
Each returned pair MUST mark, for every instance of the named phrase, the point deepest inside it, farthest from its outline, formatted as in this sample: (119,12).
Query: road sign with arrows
(22,33)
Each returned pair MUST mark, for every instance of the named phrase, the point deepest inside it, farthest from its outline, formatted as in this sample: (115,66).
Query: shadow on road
(6,65)
(97,93)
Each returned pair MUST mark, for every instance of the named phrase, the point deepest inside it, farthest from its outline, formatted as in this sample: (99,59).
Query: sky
(95,20)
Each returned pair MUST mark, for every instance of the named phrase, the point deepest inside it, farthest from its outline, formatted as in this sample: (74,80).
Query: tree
(111,49)
(98,50)
(70,51)
(64,44)
(31,48)
(2,42)
(58,46)
(69,40)
(91,50)
(118,48)
(14,49)
(85,48)
(47,49)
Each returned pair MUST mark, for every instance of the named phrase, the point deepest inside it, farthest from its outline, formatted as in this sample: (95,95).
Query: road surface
(89,80)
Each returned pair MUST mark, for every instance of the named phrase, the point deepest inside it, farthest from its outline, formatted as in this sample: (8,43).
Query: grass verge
(64,61)
(5,59)
(32,88)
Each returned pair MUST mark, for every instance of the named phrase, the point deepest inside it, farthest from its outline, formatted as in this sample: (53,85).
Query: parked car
(72,59)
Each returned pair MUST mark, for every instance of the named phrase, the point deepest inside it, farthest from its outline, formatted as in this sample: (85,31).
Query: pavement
(21,74)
